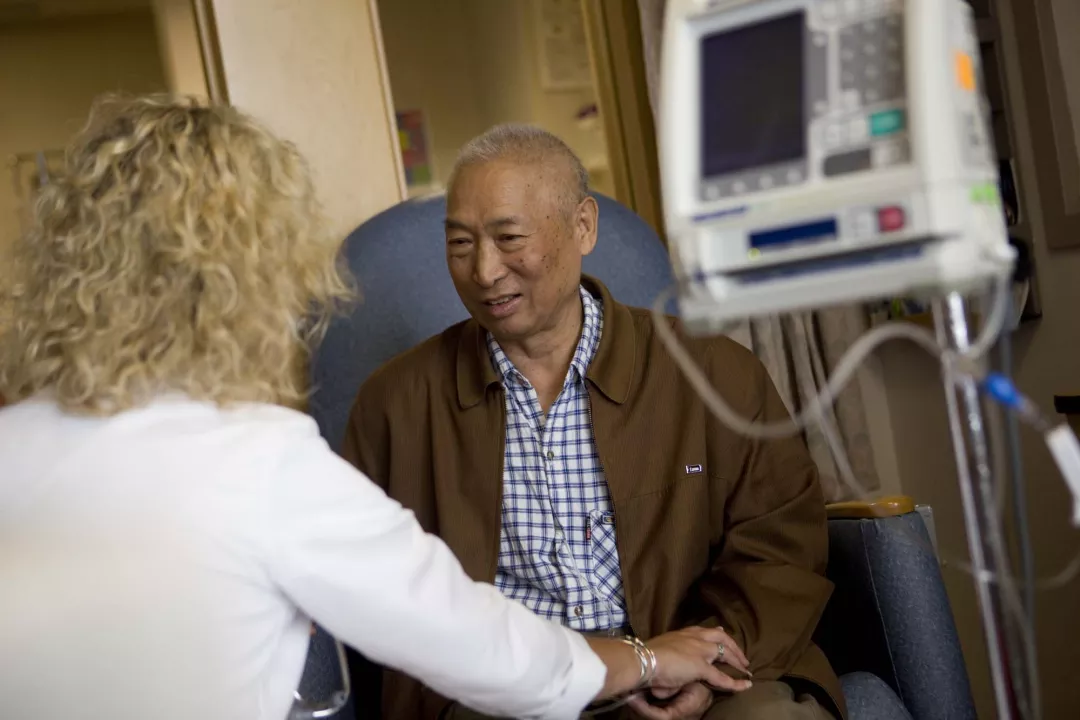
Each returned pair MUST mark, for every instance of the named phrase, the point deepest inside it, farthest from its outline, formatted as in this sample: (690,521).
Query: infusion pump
(818,152)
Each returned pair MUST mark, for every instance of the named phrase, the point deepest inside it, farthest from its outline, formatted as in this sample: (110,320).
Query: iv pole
(1010,668)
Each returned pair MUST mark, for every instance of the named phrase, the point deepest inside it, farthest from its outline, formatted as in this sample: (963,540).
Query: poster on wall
(415,149)
(564,52)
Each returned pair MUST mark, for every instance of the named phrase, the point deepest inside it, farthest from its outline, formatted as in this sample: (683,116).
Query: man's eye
(508,238)
(458,241)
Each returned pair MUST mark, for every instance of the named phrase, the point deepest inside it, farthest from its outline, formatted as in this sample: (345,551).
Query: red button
(890,219)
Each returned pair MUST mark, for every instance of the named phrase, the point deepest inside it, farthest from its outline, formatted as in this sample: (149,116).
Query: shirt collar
(591,330)
(613,369)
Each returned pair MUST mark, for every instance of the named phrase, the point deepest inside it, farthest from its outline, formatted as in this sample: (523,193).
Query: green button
(887,122)
(985,194)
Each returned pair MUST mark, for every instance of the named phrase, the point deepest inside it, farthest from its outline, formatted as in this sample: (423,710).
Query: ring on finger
(720,650)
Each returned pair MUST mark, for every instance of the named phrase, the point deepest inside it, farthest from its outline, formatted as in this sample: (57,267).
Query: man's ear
(586,222)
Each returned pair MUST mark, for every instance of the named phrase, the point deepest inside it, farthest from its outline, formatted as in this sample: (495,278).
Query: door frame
(613,31)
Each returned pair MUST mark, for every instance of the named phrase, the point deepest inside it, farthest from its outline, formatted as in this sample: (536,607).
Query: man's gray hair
(528,143)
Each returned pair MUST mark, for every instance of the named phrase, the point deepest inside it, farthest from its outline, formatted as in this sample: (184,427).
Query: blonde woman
(169,524)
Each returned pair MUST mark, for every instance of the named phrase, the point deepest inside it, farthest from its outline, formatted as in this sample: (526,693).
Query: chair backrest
(889,615)
(399,259)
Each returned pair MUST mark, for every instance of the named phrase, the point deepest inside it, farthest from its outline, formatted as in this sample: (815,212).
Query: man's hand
(689,703)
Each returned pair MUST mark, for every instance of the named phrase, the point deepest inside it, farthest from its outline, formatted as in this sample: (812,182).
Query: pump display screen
(752,96)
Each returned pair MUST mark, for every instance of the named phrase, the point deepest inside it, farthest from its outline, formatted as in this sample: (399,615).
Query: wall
(471,64)
(314,73)
(1048,362)
(509,73)
(62,65)
(1067,23)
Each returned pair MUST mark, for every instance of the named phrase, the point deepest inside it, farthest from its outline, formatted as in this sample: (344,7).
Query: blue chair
(397,313)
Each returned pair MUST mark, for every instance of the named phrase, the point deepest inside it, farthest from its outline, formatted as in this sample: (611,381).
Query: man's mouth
(503,306)
(501,300)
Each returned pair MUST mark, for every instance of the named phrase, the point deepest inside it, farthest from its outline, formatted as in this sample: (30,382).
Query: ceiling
(28,10)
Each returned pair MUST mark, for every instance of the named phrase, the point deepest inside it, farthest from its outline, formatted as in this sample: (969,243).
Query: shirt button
(550,455)
(579,611)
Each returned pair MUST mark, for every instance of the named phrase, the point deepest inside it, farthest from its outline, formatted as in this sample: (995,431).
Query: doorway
(458,67)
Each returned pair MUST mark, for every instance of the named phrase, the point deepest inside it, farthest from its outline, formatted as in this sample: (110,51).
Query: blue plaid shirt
(557,551)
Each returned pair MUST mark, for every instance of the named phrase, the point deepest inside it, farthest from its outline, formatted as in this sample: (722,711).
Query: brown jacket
(742,543)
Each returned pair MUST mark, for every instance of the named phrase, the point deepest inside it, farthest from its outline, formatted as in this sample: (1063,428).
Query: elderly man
(552,443)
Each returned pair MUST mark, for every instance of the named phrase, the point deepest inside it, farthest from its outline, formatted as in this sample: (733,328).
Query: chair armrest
(889,614)
(882,507)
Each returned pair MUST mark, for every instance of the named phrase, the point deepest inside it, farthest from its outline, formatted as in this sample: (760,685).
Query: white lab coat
(166,563)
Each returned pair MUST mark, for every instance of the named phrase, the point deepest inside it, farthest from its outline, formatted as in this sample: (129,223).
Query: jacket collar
(612,369)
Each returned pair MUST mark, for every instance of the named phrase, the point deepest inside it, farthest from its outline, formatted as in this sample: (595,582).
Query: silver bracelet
(646,657)
(648,661)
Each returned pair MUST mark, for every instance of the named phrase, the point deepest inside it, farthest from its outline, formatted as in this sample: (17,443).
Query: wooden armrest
(882,507)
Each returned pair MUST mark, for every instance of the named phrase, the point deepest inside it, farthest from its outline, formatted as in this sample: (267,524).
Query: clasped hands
(690,653)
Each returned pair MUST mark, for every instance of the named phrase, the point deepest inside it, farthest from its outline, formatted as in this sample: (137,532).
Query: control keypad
(863,141)
(872,59)
(843,11)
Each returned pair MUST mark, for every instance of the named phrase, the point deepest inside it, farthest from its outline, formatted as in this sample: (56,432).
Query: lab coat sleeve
(360,565)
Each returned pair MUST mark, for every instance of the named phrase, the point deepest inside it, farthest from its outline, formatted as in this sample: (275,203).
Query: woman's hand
(682,657)
(687,656)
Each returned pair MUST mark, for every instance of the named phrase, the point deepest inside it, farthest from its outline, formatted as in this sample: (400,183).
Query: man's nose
(489,268)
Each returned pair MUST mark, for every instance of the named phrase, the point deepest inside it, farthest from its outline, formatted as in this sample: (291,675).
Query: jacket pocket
(684,477)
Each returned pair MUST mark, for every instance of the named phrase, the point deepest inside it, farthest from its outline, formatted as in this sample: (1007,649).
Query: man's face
(514,248)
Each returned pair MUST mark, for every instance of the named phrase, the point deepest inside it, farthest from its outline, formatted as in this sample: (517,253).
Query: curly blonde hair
(181,249)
